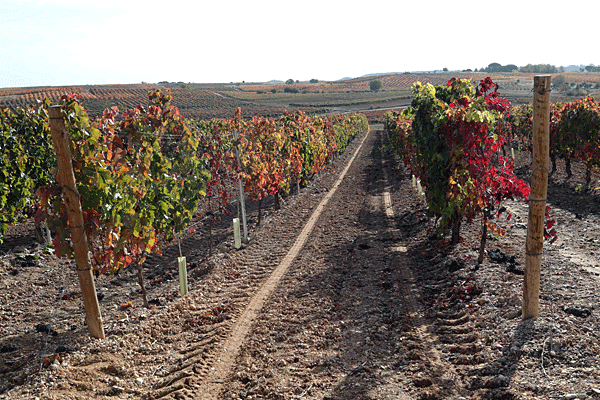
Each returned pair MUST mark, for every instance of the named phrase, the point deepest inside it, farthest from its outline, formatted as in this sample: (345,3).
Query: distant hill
(438,71)
(570,68)
(381,73)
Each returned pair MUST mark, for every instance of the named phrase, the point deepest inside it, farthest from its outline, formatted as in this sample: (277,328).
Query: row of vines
(141,173)
(574,132)
(194,103)
(452,138)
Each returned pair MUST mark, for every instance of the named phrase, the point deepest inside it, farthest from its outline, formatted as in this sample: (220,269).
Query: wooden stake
(141,281)
(241,187)
(236,233)
(539,189)
(60,138)
(210,238)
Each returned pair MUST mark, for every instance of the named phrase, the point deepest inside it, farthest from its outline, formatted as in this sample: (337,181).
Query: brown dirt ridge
(346,292)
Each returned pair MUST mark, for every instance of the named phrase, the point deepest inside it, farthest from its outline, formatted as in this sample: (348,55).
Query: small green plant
(27,257)
(49,249)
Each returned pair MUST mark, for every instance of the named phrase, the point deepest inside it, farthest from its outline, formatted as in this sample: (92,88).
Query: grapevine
(449,141)
(141,173)
(26,161)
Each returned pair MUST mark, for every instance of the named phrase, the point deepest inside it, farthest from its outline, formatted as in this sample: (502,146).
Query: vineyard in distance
(206,101)
(382,257)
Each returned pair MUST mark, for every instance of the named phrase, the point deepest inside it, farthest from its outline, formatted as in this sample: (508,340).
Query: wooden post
(539,189)
(241,187)
(60,138)
(236,233)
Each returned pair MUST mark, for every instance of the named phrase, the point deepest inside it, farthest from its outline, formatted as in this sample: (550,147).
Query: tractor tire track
(231,347)
(333,329)
(252,277)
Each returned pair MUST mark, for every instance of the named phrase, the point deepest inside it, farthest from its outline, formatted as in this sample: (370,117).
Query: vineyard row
(141,173)
(452,139)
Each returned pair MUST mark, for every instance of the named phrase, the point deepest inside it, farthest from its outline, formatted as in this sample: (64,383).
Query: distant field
(193,103)
(206,101)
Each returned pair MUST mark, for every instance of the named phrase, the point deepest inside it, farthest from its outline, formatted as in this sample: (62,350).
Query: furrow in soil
(337,326)
(210,387)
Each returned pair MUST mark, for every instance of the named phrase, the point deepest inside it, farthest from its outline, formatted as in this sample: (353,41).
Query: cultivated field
(206,101)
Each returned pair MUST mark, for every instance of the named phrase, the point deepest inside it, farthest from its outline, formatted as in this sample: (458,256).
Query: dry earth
(344,293)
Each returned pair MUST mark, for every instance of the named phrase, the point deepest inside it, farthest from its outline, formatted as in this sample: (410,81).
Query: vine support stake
(236,233)
(60,139)
(236,135)
(183,281)
(537,202)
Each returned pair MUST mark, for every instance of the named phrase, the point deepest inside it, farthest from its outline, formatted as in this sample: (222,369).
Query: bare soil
(346,292)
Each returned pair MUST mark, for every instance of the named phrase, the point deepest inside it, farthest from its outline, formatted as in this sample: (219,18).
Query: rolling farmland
(206,101)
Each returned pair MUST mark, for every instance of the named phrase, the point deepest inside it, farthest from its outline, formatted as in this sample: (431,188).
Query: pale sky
(77,42)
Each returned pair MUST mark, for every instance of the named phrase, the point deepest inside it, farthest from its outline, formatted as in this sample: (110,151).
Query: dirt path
(337,324)
(211,387)
(345,293)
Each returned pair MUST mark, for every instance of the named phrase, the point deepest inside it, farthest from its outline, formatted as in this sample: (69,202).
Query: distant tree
(445,69)
(493,67)
(273,90)
(527,68)
(497,67)
(314,81)
(289,82)
(592,68)
(539,69)
(290,90)
(375,85)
